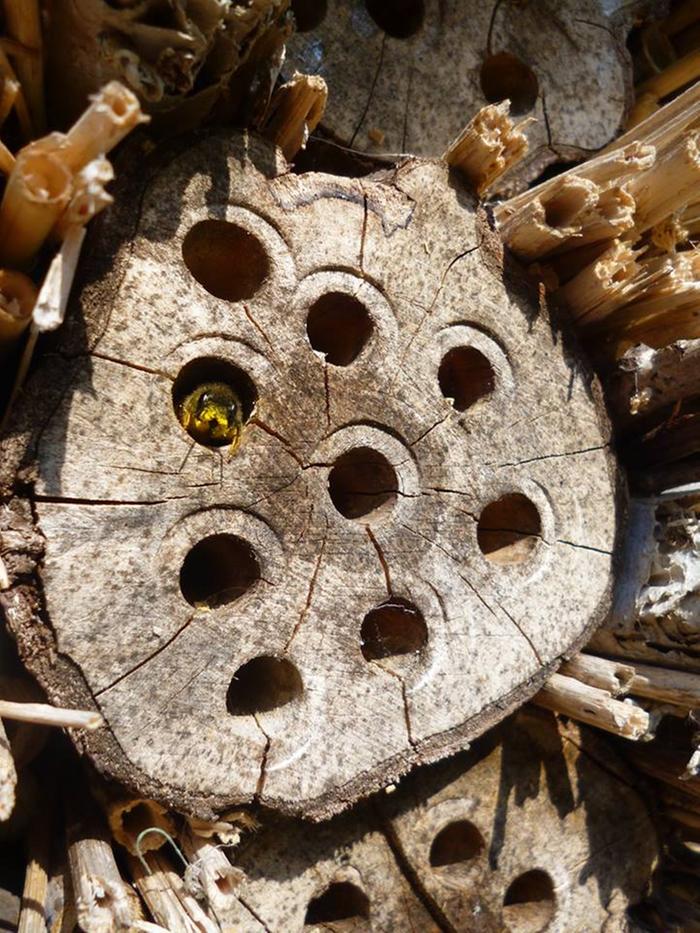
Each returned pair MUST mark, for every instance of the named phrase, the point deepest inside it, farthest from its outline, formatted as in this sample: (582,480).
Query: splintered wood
(322,496)
(612,238)
(406,77)
(536,828)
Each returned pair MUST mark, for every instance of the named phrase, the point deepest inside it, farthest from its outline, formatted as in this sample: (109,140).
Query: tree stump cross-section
(322,496)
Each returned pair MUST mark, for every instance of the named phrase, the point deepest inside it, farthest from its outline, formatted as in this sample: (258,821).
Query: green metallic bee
(213,415)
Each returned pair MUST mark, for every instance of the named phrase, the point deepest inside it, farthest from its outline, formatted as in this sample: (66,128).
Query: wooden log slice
(537,827)
(407,76)
(417,524)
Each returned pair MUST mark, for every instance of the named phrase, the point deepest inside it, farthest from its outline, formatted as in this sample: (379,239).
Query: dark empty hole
(362,483)
(509,529)
(340,901)
(228,260)
(218,570)
(263,684)
(309,14)
(528,905)
(505,77)
(465,376)
(457,843)
(339,326)
(398,18)
(213,399)
(226,884)
(396,627)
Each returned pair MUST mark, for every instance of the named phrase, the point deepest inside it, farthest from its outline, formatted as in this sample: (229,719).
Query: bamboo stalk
(130,816)
(218,878)
(611,676)
(20,102)
(487,147)
(8,776)
(89,197)
(101,896)
(18,296)
(45,715)
(569,697)
(23,22)
(113,113)
(294,112)
(166,898)
(677,75)
(37,191)
(32,918)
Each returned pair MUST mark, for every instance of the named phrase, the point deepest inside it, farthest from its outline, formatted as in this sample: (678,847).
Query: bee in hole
(212,414)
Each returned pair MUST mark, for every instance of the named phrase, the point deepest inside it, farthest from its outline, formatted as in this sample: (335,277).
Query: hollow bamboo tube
(218,877)
(612,676)
(8,776)
(18,296)
(38,190)
(166,898)
(113,113)
(101,897)
(294,112)
(596,707)
(32,918)
(45,715)
(20,102)
(487,147)
(130,816)
(23,23)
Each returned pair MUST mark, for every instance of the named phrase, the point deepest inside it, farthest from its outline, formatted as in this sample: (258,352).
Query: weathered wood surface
(531,800)
(655,611)
(393,612)
(406,77)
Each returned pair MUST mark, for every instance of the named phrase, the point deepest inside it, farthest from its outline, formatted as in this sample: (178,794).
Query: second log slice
(320,495)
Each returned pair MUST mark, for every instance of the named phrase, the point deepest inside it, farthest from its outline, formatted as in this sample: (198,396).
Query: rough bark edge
(23,606)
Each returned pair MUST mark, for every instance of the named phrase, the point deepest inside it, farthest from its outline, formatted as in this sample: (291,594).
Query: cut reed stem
(594,706)
(294,112)
(45,715)
(487,147)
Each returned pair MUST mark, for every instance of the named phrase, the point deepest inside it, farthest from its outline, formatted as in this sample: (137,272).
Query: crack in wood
(310,592)
(382,559)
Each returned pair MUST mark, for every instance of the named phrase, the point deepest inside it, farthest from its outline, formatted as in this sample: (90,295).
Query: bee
(213,415)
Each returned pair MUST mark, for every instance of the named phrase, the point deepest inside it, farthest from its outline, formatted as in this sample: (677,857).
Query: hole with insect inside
(263,684)
(213,399)
(226,259)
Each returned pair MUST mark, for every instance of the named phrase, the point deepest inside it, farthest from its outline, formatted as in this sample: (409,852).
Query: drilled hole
(398,18)
(218,570)
(228,260)
(309,14)
(338,326)
(505,77)
(263,684)
(465,377)
(509,529)
(395,628)
(213,399)
(340,901)
(456,844)
(362,484)
(528,905)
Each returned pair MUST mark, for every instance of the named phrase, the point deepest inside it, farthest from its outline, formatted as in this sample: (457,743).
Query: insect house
(349,466)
